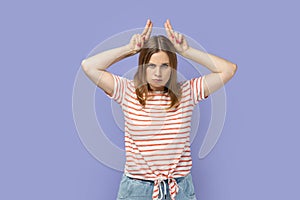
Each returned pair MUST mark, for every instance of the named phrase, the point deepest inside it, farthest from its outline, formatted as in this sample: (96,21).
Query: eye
(164,66)
(152,66)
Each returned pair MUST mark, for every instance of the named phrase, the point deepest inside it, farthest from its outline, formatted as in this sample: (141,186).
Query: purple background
(43,43)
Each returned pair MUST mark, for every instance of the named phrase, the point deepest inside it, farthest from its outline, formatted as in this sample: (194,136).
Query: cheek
(148,71)
(168,74)
(148,74)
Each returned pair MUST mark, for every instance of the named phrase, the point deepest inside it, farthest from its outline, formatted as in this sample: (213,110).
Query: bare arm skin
(222,70)
(95,66)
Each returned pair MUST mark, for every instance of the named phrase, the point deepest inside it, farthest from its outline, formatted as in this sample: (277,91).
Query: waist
(179,179)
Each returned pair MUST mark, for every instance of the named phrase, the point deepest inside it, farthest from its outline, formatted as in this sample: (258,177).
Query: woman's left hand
(176,38)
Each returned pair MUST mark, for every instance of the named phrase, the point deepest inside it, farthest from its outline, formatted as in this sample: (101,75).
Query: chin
(157,87)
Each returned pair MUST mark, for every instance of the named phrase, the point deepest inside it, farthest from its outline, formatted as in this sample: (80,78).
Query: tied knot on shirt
(159,194)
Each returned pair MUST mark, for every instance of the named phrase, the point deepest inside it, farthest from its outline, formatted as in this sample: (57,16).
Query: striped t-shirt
(157,139)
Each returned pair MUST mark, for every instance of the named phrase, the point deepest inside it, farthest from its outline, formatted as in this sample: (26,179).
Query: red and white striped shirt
(157,140)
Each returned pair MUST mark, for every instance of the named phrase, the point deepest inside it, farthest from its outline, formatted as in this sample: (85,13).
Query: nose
(157,72)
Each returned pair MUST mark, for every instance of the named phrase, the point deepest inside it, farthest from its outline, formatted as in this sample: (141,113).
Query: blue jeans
(136,189)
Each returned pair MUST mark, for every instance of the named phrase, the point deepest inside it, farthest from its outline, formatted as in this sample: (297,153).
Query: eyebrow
(161,64)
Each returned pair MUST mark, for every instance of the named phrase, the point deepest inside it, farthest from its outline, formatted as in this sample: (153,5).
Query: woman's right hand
(137,40)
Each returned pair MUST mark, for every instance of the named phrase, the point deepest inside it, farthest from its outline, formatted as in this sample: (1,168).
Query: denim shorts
(136,189)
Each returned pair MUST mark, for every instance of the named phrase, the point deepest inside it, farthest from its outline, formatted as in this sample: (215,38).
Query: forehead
(159,57)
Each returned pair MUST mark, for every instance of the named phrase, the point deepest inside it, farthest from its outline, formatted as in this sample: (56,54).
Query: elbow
(230,70)
(83,65)
(235,67)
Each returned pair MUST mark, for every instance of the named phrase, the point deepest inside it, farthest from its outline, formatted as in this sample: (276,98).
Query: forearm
(103,60)
(212,62)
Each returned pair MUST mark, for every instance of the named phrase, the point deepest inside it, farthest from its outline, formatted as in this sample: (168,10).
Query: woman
(157,110)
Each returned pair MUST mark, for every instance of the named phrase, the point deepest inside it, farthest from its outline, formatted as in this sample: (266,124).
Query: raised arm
(222,70)
(95,66)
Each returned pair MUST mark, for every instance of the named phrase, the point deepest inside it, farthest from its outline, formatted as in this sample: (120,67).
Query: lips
(157,80)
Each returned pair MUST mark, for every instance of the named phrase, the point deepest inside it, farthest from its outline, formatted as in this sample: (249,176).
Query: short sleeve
(120,84)
(197,89)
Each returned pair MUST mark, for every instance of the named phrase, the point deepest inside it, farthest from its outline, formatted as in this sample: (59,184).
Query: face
(158,70)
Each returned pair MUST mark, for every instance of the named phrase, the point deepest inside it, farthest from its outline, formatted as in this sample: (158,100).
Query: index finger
(169,34)
(149,30)
(169,29)
(169,25)
(146,29)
